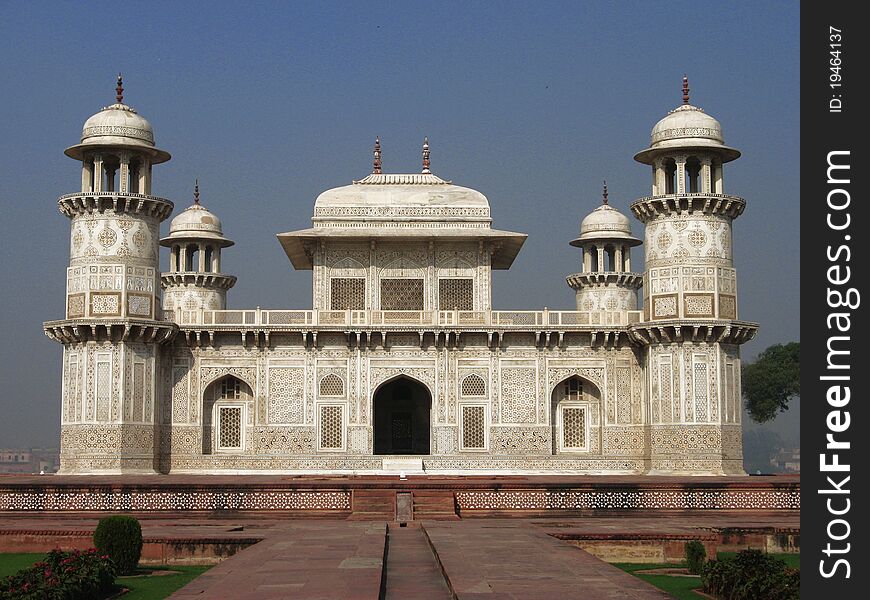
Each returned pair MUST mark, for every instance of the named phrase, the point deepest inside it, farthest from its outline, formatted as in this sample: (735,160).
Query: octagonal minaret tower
(606,282)
(691,329)
(113,325)
(194,280)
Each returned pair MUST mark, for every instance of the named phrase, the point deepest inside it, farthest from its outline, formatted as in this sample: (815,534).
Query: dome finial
(604,195)
(377,162)
(196,192)
(426,170)
(685,89)
(119,91)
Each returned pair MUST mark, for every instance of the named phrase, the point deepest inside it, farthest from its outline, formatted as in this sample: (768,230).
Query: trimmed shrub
(120,537)
(62,575)
(696,554)
(751,575)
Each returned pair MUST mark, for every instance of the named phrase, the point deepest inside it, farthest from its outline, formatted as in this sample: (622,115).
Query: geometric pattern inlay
(518,392)
(286,401)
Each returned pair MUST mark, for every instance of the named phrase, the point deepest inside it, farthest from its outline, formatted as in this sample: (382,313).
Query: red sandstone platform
(361,550)
(383,497)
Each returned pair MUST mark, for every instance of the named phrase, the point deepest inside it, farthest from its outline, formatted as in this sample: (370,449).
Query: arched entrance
(401,417)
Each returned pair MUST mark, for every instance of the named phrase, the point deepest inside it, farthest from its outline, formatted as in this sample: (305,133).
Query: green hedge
(121,538)
(696,554)
(751,575)
(62,575)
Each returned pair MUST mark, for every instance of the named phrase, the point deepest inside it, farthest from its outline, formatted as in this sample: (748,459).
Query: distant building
(29,460)
(401,362)
(787,461)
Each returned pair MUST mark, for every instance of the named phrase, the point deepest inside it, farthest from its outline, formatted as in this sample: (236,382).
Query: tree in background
(772,380)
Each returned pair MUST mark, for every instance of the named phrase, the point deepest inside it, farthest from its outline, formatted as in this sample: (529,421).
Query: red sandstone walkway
(488,559)
(320,560)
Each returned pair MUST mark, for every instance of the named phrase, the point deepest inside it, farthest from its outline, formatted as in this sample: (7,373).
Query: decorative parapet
(331,319)
(206,280)
(711,331)
(650,207)
(74,331)
(137,204)
(592,279)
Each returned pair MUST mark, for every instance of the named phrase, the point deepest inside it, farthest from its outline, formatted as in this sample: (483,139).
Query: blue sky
(270,103)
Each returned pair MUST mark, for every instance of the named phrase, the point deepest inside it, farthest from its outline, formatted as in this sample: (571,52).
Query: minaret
(691,329)
(113,326)
(194,280)
(606,283)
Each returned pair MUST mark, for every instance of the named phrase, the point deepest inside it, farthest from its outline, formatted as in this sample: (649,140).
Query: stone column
(617,259)
(600,259)
(98,172)
(145,176)
(124,177)
(681,174)
(201,266)
(659,185)
(173,259)
(706,175)
(87,174)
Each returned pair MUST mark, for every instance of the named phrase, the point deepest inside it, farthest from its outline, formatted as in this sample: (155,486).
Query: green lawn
(681,587)
(10,564)
(141,587)
(157,587)
(678,587)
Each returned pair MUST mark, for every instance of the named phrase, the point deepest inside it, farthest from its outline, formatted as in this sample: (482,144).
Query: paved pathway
(496,559)
(412,569)
(437,560)
(321,560)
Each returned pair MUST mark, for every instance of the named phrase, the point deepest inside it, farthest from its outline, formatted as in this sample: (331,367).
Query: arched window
(693,175)
(331,385)
(176,257)
(192,258)
(572,403)
(473,385)
(209,253)
(593,259)
(670,167)
(225,406)
(133,176)
(610,259)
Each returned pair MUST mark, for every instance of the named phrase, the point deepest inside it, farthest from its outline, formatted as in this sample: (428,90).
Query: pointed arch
(402,416)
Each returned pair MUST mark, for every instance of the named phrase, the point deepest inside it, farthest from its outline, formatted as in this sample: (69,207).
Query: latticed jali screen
(331,385)
(473,427)
(401,294)
(347,293)
(473,385)
(573,427)
(330,427)
(456,294)
(230,425)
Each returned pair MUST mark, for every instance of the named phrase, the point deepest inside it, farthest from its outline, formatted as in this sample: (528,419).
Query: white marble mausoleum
(400,362)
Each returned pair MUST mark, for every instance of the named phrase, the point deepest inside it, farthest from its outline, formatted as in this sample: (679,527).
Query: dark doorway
(401,417)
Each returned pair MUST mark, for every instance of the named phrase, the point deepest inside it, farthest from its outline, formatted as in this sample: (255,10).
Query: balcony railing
(326,319)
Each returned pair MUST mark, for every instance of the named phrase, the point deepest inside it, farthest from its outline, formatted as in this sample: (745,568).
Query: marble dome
(196,222)
(605,223)
(401,190)
(687,127)
(118,125)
